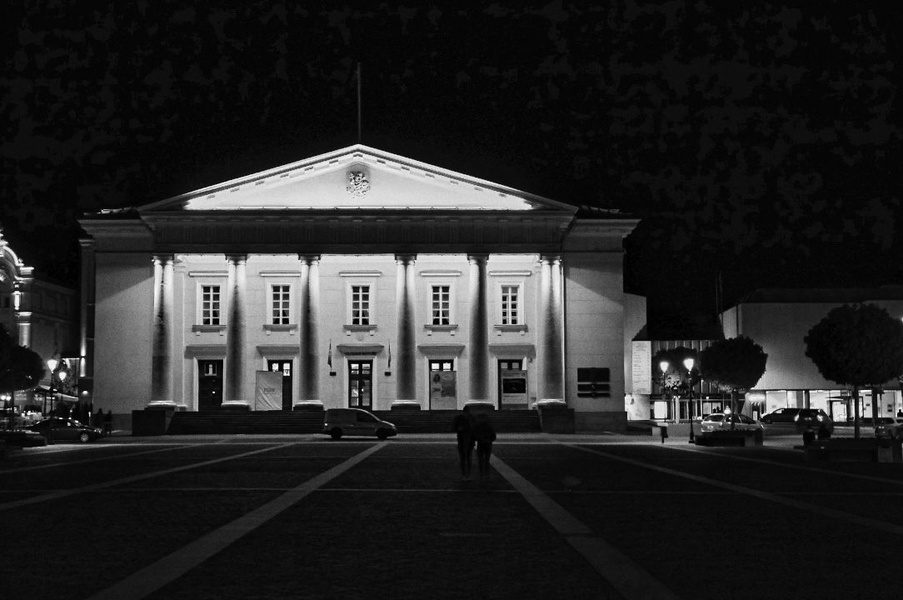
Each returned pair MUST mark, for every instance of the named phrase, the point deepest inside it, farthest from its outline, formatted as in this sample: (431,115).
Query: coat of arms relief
(358,184)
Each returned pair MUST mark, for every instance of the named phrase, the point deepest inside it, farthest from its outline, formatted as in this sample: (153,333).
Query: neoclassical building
(358,278)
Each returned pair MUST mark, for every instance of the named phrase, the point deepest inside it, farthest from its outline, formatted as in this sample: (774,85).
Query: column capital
(163,259)
(236,259)
(406,259)
(550,258)
(309,259)
(477,258)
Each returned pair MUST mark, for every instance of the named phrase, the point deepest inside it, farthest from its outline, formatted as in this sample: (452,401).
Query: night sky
(760,141)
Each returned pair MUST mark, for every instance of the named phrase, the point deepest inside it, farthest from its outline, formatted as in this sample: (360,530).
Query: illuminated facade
(40,315)
(358,278)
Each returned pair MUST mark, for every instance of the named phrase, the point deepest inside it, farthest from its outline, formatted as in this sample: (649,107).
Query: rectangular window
(210,305)
(510,308)
(360,305)
(441,305)
(280,314)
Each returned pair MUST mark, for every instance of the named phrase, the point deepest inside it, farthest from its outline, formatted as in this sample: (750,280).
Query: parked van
(356,421)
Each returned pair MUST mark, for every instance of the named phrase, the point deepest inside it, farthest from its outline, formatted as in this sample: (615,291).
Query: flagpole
(358,103)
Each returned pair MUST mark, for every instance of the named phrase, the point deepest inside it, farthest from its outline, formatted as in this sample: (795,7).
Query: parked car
(23,438)
(889,427)
(59,429)
(781,415)
(722,422)
(356,421)
(801,420)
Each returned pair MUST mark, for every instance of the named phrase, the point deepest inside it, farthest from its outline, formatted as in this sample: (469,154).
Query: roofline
(361,150)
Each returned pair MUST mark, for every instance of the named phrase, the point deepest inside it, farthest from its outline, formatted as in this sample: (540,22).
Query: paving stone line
(106,484)
(151,578)
(628,578)
(806,506)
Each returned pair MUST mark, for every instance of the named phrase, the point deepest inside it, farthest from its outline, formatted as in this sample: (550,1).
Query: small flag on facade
(329,355)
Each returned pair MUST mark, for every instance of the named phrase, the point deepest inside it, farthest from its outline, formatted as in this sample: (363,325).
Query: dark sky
(759,141)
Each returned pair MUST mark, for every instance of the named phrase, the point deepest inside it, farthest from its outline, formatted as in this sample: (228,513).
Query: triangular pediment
(357,178)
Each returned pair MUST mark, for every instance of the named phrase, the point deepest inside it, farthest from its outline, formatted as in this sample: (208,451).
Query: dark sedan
(58,429)
(22,438)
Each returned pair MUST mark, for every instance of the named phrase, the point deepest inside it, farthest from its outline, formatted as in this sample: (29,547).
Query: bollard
(664,431)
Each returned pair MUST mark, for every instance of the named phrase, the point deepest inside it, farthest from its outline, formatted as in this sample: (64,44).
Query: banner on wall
(641,361)
(514,388)
(443,390)
(269,391)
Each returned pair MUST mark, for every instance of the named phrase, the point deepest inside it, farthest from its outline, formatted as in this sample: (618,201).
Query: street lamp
(689,363)
(52,364)
(663,365)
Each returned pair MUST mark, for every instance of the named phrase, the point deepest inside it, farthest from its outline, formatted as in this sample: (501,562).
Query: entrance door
(512,384)
(285,367)
(443,385)
(210,384)
(360,384)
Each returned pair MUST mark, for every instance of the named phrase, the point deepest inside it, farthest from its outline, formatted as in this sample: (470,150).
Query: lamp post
(663,365)
(689,363)
(52,364)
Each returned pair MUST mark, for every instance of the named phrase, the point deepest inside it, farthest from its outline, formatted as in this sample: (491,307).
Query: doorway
(360,384)
(284,367)
(210,384)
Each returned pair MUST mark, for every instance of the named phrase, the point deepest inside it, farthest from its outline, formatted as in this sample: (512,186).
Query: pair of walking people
(474,430)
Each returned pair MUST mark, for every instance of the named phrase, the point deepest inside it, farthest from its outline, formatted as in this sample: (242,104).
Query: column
(551,340)
(478,348)
(309,364)
(88,302)
(22,306)
(235,327)
(406,350)
(161,363)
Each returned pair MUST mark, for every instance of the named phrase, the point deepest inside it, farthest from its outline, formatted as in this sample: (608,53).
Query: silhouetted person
(484,433)
(108,422)
(463,426)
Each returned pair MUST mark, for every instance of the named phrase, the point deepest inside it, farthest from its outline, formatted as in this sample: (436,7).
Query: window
(280,304)
(441,305)
(210,305)
(360,305)
(510,308)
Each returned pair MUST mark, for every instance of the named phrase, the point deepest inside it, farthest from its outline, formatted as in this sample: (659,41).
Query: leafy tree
(858,345)
(734,365)
(20,367)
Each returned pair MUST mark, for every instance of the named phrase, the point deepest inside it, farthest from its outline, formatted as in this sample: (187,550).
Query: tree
(734,365)
(20,367)
(858,345)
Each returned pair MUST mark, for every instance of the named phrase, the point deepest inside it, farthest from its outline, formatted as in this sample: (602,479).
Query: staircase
(305,421)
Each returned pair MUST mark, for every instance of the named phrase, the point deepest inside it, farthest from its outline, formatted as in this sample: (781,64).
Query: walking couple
(474,430)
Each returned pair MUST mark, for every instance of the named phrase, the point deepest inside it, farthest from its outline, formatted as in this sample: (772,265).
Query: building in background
(42,316)
(360,278)
(779,319)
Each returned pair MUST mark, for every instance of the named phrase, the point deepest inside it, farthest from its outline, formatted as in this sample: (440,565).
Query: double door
(360,384)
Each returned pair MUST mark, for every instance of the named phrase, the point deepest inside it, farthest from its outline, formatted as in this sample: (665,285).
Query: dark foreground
(567,517)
